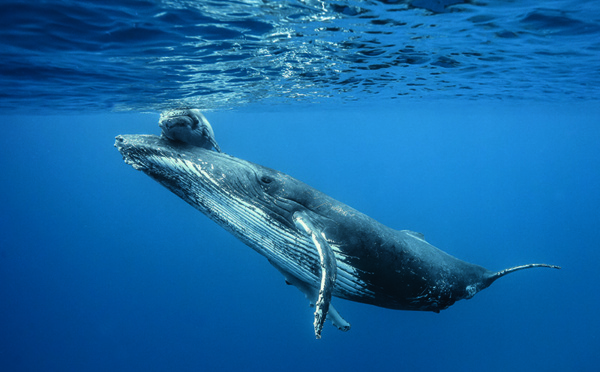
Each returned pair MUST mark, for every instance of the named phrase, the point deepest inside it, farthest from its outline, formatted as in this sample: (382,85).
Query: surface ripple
(152,55)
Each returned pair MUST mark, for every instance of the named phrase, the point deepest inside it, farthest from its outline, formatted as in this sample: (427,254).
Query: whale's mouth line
(149,144)
(136,149)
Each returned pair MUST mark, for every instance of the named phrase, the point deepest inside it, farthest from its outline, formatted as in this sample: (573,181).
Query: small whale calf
(188,126)
(320,245)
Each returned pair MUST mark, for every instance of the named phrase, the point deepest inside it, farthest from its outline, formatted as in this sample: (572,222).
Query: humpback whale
(320,245)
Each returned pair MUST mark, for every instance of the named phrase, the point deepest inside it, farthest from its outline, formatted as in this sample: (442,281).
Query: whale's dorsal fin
(415,234)
(328,269)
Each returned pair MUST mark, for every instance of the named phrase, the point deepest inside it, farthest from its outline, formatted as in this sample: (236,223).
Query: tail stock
(501,273)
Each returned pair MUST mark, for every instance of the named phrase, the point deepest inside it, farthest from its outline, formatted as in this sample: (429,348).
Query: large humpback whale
(322,246)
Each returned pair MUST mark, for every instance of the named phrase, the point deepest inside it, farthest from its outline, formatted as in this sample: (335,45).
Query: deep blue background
(103,269)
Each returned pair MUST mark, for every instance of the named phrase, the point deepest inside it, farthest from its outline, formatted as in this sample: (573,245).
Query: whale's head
(241,196)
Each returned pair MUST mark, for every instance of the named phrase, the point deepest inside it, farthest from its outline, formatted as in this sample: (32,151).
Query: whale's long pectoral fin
(328,272)
(311,294)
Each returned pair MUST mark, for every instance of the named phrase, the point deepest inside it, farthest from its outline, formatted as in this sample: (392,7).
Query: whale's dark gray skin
(322,246)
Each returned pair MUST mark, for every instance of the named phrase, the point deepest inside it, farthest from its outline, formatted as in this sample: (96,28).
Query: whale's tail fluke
(501,273)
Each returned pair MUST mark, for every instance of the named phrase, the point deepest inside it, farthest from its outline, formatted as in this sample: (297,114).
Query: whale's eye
(266,179)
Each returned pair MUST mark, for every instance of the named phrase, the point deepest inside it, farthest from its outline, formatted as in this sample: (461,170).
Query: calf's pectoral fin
(211,139)
(328,269)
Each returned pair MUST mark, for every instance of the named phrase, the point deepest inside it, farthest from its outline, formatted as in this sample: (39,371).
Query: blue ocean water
(475,123)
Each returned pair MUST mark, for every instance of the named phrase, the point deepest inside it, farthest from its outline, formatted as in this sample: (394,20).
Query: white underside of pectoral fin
(328,269)
(312,296)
